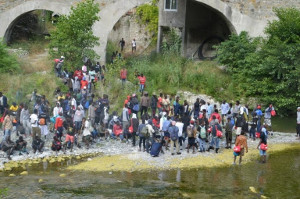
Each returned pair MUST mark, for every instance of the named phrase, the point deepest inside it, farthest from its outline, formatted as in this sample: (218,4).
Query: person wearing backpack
(43,125)
(173,130)
(191,134)
(134,104)
(202,137)
(215,139)
(263,140)
(142,131)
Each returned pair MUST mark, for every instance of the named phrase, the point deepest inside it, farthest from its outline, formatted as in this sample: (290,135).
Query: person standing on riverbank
(267,117)
(241,141)
(263,144)
(298,122)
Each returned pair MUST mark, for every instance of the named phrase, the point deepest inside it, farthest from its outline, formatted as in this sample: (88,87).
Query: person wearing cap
(153,103)
(298,122)
(173,131)
(259,116)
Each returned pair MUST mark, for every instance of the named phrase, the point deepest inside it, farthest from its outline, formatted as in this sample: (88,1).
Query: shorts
(191,141)
(241,153)
(69,138)
(261,152)
(268,122)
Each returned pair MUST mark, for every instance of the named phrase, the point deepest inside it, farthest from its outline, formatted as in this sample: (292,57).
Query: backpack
(202,132)
(42,121)
(189,130)
(144,131)
(136,107)
(87,104)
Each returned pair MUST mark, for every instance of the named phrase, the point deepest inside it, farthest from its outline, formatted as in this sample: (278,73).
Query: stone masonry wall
(7,4)
(261,9)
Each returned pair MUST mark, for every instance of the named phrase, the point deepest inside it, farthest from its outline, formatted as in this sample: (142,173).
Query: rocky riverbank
(114,155)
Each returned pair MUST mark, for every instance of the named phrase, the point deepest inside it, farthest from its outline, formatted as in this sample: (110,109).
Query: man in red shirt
(217,115)
(159,103)
(59,126)
(142,79)
(78,73)
(123,75)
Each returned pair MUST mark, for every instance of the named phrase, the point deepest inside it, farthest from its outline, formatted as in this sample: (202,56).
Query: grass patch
(169,73)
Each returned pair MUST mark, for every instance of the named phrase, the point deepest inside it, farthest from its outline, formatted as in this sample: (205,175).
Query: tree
(8,62)
(73,36)
(268,68)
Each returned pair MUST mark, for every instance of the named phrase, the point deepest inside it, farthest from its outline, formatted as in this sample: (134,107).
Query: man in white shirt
(35,129)
(224,111)
(133,44)
(179,124)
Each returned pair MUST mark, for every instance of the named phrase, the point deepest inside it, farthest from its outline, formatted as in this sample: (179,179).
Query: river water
(278,178)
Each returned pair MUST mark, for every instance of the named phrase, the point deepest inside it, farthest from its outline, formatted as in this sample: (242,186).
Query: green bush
(168,73)
(148,14)
(8,62)
(268,68)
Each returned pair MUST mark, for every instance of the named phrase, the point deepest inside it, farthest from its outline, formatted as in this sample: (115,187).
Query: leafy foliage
(148,14)
(268,68)
(8,62)
(73,37)
(168,72)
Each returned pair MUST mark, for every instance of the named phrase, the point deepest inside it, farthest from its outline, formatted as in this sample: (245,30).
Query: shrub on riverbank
(169,73)
(268,68)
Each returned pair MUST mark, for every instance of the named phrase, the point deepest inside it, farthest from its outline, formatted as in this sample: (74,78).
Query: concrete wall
(111,12)
(203,22)
(129,28)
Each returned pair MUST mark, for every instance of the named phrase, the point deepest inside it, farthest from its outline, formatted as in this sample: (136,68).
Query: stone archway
(110,13)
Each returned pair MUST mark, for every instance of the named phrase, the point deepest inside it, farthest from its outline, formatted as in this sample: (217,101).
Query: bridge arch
(110,13)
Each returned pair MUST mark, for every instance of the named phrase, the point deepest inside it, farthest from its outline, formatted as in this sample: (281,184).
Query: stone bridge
(110,12)
(249,15)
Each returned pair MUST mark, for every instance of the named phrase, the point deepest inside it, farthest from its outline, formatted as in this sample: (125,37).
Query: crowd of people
(160,122)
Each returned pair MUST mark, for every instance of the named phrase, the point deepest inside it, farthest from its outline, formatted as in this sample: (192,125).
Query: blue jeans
(215,141)
(142,87)
(7,133)
(202,144)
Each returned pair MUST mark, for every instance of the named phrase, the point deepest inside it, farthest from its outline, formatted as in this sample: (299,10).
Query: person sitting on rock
(37,144)
(21,145)
(56,144)
(8,146)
